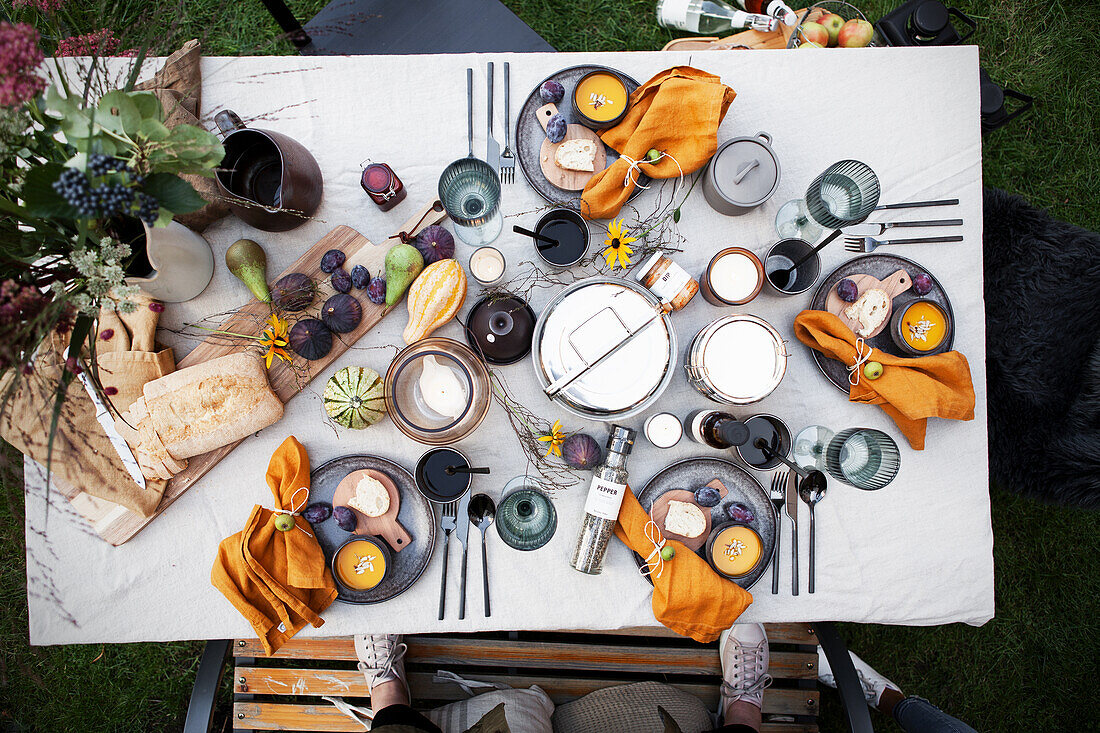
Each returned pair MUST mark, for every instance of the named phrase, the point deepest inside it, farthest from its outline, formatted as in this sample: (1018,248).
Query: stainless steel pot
(736,360)
(743,174)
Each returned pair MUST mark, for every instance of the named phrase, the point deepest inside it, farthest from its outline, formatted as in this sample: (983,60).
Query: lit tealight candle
(663,430)
(487,265)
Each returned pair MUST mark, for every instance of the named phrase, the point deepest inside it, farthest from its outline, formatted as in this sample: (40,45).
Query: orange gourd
(434,298)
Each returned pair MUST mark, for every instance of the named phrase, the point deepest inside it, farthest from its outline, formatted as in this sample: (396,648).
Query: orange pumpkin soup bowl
(921,327)
(600,99)
(361,563)
(734,550)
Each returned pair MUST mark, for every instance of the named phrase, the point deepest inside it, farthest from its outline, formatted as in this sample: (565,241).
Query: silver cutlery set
(456,518)
(786,492)
(860,238)
(503,163)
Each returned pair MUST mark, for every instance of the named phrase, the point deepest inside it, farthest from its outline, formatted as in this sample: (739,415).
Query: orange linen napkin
(688,597)
(909,390)
(678,112)
(279,581)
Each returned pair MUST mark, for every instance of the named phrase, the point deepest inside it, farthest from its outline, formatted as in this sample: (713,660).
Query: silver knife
(462,532)
(492,147)
(790,508)
(103,417)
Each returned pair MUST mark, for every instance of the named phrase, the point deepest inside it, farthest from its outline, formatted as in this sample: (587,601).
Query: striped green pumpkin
(353,397)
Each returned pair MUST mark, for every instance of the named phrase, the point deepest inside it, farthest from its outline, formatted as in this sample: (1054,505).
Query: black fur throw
(1042,300)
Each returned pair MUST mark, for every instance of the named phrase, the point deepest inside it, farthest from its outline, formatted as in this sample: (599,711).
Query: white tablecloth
(918,552)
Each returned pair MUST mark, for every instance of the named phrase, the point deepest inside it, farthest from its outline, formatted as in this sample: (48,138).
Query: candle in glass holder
(487,265)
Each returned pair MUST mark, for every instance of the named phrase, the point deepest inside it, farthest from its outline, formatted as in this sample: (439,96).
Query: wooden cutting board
(568,180)
(894,286)
(116,524)
(386,526)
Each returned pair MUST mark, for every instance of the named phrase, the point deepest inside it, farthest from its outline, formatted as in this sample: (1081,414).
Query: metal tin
(581,324)
(736,360)
(743,174)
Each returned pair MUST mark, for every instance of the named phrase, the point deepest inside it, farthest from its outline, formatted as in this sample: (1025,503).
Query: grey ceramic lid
(735,183)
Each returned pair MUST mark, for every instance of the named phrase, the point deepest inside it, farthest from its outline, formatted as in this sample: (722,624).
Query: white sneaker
(743,649)
(872,682)
(381,658)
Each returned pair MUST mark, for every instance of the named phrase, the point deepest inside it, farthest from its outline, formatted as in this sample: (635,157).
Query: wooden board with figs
(114,523)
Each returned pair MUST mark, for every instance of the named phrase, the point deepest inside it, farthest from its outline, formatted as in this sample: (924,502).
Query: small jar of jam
(383,186)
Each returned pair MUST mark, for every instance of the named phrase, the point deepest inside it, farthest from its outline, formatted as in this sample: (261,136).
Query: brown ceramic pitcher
(269,180)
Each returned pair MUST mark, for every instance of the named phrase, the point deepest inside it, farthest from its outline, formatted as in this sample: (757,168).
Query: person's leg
(381,660)
(743,649)
(913,714)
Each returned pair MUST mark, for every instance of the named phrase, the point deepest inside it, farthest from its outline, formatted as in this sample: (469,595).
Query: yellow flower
(273,339)
(555,438)
(616,250)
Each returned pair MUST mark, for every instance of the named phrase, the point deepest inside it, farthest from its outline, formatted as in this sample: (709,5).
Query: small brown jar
(671,283)
(383,186)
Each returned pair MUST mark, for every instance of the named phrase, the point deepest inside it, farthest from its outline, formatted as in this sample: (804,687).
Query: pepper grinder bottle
(711,17)
(605,496)
(717,429)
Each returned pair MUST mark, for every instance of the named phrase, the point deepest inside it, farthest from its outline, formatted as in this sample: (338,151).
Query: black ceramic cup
(781,256)
(433,480)
(571,231)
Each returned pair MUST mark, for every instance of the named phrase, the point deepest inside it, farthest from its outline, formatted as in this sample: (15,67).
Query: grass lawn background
(1032,668)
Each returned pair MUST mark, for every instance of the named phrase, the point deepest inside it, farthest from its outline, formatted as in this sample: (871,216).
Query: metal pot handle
(228,121)
(765,137)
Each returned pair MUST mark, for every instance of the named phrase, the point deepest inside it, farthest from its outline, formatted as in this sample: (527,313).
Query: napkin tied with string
(678,112)
(279,581)
(910,390)
(688,596)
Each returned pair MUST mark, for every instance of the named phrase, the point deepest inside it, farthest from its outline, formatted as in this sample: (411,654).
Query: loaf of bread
(870,311)
(198,409)
(576,155)
(371,498)
(685,519)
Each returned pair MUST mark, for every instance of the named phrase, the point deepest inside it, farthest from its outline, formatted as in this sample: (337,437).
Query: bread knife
(103,417)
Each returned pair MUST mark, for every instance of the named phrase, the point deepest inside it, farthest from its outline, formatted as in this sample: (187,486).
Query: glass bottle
(717,429)
(710,17)
(605,496)
(383,186)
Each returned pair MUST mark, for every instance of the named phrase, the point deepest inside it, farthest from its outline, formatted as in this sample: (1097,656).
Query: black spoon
(548,242)
(782,278)
(452,470)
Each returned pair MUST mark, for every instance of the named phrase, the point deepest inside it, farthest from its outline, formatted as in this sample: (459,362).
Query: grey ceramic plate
(692,473)
(529,133)
(880,266)
(415,516)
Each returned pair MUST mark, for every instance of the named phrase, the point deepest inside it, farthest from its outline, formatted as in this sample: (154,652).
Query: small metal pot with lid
(743,174)
(604,349)
(736,360)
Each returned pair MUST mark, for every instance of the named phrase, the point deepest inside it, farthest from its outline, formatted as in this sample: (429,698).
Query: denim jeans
(917,715)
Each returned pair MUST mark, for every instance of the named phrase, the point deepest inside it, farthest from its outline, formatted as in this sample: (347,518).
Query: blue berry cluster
(106,190)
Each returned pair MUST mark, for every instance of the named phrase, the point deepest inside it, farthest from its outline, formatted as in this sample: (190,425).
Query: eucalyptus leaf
(41,200)
(173,193)
(154,130)
(118,112)
(148,106)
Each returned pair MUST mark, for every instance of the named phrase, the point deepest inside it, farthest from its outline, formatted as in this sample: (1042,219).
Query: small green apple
(284,522)
(872,370)
(668,552)
(810,45)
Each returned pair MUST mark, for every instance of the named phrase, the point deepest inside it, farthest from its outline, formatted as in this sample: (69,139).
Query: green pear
(248,261)
(403,263)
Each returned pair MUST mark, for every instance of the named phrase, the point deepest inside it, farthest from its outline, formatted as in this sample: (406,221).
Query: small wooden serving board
(894,285)
(116,524)
(568,180)
(659,511)
(386,526)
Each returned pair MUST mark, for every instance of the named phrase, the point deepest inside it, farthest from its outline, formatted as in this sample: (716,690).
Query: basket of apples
(834,24)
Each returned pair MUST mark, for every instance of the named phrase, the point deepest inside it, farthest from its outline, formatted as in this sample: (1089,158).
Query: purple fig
(341,313)
(581,451)
(294,292)
(311,339)
(435,243)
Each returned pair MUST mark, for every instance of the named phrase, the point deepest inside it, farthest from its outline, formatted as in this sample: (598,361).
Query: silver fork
(870,244)
(507,160)
(448,522)
(779,482)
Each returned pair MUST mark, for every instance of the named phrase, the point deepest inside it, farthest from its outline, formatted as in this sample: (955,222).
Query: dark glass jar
(383,186)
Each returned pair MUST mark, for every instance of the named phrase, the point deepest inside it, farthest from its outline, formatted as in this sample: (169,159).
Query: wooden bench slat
(553,655)
(788,728)
(286,716)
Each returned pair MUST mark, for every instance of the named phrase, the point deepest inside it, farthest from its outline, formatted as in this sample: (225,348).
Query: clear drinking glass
(809,446)
(526,519)
(845,194)
(863,457)
(470,191)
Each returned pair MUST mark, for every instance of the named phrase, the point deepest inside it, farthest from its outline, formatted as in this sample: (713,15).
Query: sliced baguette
(870,311)
(576,155)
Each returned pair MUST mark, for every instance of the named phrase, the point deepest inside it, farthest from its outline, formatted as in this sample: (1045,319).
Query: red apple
(855,34)
(832,23)
(814,33)
(809,44)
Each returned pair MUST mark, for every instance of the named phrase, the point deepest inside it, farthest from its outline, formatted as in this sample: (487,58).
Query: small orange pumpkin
(434,298)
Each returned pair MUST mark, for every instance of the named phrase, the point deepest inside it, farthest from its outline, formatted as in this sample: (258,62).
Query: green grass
(1031,668)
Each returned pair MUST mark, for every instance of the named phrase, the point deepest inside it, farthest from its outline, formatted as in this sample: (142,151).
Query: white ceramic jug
(182,262)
